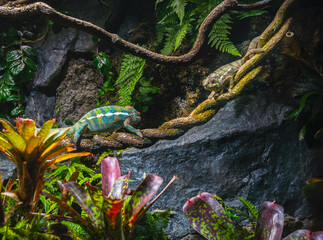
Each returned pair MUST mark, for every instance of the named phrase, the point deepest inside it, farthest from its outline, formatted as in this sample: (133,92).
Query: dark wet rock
(52,52)
(246,149)
(7,167)
(77,93)
(51,56)
(39,107)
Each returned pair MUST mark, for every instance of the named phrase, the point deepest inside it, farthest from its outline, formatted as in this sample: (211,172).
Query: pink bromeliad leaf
(303,234)
(85,201)
(206,215)
(141,196)
(270,222)
(110,171)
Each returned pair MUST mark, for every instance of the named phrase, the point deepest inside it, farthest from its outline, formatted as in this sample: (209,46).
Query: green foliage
(102,64)
(16,68)
(180,19)
(78,232)
(32,151)
(145,95)
(131,71)
(252,212)
(152,225)
(311,106)
(64,172)
(108,213)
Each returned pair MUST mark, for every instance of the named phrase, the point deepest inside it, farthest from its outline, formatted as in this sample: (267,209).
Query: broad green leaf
(30,63)
(16,111)
(141,196)
(32,146)
(74,214)
(28,50)
(85,201)
(65,157)
(206,215)
(16,67)
(303,234)
(45,129)
(110,171)
(15,98)
(4,92)
(56,152)
(14,138)
(8,79)
(52,140)
(270,222)
(28,128)
(14,55)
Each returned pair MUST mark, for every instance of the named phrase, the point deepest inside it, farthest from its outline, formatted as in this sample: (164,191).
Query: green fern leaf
(179,8)
(181,34)
(130,73)
(77,231)
(250,207)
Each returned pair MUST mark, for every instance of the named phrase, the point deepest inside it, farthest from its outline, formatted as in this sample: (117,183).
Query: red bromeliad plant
(33,152)
(111,215)
(206,215)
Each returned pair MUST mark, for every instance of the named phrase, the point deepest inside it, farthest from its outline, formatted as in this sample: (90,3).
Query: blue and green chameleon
(106,119)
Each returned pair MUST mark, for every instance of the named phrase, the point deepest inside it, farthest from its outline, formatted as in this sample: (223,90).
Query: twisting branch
(202,113)
(253,6)
(114,40)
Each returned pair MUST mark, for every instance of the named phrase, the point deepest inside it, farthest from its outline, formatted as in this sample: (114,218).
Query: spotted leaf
(141,196)
(206,215)
(110,171)
(85,201)
(270,222)
(303,234)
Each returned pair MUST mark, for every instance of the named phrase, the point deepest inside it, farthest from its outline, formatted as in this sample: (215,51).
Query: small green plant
(179,20)
(145,95)
(16,68)
(102,65)
(152,226)
(131,71)
(311,105)
(33,151)
(111,213)
(206,215)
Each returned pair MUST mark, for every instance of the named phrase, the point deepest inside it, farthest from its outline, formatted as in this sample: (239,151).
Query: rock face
(251,152)
(77,93)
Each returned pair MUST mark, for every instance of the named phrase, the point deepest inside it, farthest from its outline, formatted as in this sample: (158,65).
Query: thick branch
(114,40)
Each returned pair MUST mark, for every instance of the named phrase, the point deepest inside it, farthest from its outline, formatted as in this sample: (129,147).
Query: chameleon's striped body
(106,119)
(223,76)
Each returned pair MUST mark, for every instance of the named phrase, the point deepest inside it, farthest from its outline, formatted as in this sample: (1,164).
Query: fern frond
(77,231)
(179,8)
(250,207)
(130,72)
(181,34)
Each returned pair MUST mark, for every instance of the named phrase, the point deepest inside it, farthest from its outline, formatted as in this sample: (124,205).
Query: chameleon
(105,119)
(223,76)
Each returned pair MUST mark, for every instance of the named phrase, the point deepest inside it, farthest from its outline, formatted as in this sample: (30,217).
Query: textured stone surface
(39,107)
(7,167)
(246,149)
(77,93)
(52,53)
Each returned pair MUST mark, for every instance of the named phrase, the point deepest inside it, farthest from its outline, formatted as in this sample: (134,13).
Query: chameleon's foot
(230,90)
(212,95)
(139,133)
(251,52)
